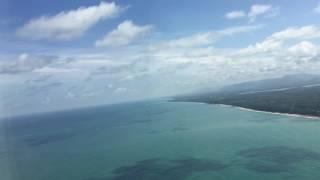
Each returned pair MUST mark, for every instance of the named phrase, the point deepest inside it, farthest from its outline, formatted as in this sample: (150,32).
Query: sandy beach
(277,113)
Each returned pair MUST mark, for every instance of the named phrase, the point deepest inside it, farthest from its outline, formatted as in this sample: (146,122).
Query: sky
(57,55)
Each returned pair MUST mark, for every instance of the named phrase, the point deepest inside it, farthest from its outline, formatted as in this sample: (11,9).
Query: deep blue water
(159,140)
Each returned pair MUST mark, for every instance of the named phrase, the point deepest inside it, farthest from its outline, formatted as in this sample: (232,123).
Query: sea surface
(159,140)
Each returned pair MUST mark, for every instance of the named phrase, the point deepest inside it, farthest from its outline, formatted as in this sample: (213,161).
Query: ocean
(159,140)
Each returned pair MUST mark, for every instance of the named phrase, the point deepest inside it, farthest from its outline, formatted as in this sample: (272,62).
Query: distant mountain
(295,94)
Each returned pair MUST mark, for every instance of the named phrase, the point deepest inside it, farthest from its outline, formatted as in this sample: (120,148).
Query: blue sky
(67,54)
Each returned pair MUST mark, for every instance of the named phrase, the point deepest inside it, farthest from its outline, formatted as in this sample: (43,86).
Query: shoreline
(259,111)
(270,112)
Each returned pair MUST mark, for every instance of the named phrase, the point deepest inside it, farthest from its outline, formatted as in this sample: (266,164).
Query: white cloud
(238,29)
(317,9)
(257,10)
(304,32)
(120,90)
(37,63)
(205,38)
(142,72)
(269,45)
(26,63)
(304,48)
(124,34)
(235,14)
(274,43)
(23,56)
(191,41)
(54,70)
(68,24)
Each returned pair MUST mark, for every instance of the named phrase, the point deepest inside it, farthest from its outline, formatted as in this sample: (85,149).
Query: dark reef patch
(177,129)
(276,159)
(265,167)
(162,169)
(142,121)
(3,154)
(37,141)
(154,132)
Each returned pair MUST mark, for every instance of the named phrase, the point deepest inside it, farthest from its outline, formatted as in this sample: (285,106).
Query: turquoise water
(159,140)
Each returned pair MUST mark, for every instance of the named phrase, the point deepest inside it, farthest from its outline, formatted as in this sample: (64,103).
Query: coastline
(269,112)
(254,110)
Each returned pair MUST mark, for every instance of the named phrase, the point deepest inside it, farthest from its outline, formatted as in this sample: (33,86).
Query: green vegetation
(303,100)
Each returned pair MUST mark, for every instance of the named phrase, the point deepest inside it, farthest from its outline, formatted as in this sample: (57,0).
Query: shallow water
(159,140)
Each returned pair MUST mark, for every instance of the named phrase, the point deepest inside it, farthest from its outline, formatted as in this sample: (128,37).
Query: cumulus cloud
(23,56)
(304,47)
(281,52)
(56,70)
(68,24)
(37,63)
(256,10)
(267,46)
(111,69)
(124,34)
(238,29)
(235,14)
(120,90)
(274,43)
(182,66)
(190,41)
(304,51)
(38,79)
(205,38)
(26,63)
(304,32)
(317,9)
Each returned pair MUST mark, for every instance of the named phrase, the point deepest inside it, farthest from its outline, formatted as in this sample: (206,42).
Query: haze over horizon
(83,53)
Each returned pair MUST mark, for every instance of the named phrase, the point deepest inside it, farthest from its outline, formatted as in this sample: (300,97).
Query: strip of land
(301,101)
